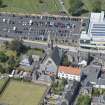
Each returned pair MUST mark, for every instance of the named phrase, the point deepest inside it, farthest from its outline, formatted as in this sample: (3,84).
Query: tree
(1,3)
(93,5)
(96,6)
(2,70)
(83,100)
(6,43)
(41,1)
(18,46)
(30,59)
(11,61)
(64,81)
(75,7)
(89,59)
(3,57)
(65,61)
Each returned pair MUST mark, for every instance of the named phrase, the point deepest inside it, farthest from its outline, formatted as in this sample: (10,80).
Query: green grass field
(31,6)
(22,93)
(35,52)
(66,3)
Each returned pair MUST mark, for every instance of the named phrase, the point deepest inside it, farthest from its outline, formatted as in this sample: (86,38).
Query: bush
(3,57)
(18,46)
(83,100)
(41,1)
(65,61)
(75,7)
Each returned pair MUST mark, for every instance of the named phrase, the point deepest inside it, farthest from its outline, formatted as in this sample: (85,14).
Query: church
(53,57)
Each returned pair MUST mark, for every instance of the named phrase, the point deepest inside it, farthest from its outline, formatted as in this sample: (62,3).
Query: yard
(31,6)
(22,93)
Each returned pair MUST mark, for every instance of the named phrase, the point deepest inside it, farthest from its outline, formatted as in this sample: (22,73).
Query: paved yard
(22,93)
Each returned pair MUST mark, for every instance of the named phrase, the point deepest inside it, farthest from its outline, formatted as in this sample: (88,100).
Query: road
(41,44)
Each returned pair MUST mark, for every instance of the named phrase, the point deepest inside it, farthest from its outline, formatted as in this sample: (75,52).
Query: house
(86,88)
(98,100)
(71,73)
(101,80)
(69,94)
(25,62)
(95,75)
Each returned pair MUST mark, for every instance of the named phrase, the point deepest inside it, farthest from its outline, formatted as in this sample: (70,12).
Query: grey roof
(56,56)
(92,72)
(45,78)
(86,83)
(70,90)
(101,81)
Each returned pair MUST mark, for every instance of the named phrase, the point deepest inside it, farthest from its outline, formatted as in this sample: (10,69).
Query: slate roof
(55,55)
(101,81)
(93,73)
(70,90)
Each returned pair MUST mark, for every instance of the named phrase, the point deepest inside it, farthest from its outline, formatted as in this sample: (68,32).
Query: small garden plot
(22,93)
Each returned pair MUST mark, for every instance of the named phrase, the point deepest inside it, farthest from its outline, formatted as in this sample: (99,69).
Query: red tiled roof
(69,70)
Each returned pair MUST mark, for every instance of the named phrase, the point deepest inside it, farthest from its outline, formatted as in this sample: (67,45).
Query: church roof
(55,55)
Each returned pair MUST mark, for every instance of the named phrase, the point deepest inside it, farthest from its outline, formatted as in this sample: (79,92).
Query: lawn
(66,3)
(22,93)
(7,51)
(31,6)
(33,51)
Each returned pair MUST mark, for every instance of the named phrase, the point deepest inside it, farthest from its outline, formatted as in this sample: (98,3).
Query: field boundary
(45,93)
(43,14)
(4,86)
